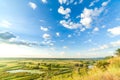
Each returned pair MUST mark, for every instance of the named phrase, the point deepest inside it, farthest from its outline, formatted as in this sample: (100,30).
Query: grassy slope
(112,73)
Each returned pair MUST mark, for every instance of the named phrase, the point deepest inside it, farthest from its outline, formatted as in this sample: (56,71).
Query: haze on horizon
(59,29)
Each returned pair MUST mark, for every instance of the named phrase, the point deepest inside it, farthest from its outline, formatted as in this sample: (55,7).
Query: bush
(102,65)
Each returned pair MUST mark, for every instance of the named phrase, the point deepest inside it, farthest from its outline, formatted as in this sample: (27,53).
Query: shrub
(102,65)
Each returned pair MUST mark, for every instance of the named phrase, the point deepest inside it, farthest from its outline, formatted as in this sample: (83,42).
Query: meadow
(59,69)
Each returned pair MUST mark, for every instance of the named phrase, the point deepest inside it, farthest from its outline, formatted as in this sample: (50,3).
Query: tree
(117,52)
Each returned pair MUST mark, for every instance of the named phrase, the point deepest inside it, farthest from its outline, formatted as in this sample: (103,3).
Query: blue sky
(59,29)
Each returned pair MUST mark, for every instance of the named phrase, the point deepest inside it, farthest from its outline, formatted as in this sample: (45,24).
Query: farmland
(58,69)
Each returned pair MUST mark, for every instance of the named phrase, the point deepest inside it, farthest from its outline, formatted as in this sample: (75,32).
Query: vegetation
(63,69)
(118,52)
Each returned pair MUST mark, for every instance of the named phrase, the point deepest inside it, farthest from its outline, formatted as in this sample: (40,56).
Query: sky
(59,28)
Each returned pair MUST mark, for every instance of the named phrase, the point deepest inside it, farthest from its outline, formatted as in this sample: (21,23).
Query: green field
(59,69)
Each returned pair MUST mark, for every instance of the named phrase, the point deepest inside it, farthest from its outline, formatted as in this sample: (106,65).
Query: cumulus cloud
(100,48)
(69,24)
(43,28)
(32,5)
(62,1)
(67,16)
(88,41)
(86,17)
(95,29)
(58,34)
(44,1)
(5,23)
(82,29)
(105,3)
(114,31)
(80,1)
(48,42)
(69,36)
(68,2)
(46,36)
(103,26)
(63,11)
(89,15)
(93,2)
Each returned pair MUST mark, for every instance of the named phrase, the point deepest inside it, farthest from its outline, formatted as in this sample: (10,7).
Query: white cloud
(86,18)
(69,36)
(51,44)
(69,2)
(75,3)
(116,43)
(95,29)
(89,40)
(70,25)
(93,2)
(63,11)
(80,1)
(44,1)
(89,15)
(62,1)
(48,42)
(46,36)
(43,28)
(105,3)
(5,23)
(83,29)
(102,47)
(103,26)
(106,46)
(58,34)
(67,16)
(114,31)
(32,5)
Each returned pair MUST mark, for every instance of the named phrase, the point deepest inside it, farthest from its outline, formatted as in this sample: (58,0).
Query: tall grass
(112,72)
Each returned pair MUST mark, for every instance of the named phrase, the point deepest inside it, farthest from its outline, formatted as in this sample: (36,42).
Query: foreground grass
(112,72)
